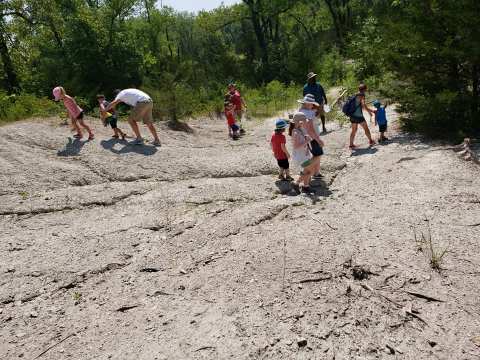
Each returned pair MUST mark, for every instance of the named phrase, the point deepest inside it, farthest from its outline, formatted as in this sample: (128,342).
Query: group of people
(140,102)
(304,131)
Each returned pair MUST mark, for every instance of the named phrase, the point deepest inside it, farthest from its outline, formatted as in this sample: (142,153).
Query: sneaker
(242,131)
(138,141)
(157,143)
(353,146)
(77,136)
(288,178)
(371,143)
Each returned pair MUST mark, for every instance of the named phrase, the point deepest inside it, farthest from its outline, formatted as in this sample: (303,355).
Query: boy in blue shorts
(381,120)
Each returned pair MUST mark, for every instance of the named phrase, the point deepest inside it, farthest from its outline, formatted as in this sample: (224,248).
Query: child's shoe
(78,136)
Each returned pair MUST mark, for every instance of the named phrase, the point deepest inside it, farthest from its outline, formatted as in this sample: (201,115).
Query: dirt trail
(191,251)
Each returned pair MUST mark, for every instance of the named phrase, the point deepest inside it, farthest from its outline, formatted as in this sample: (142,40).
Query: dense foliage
(423,53)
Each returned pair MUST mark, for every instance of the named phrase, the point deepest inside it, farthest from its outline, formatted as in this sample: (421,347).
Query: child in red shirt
(280,151)
(231,122)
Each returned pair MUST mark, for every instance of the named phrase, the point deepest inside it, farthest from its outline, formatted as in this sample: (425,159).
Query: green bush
(16,107)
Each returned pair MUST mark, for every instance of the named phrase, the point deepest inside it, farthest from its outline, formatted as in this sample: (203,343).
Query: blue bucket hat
(281,124)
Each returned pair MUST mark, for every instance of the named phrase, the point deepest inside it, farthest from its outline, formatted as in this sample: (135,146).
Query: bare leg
(364,125)
(76,127)
(152,129)
(134,126)
(322,117)
(85,126)
(353,133)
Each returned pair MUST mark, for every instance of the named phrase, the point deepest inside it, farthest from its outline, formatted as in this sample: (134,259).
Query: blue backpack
(350,107)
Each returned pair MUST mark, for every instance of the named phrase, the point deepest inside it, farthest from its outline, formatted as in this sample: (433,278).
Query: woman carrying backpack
(354,109)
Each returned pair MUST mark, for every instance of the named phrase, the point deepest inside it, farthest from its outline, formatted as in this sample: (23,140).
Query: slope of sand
(191,251)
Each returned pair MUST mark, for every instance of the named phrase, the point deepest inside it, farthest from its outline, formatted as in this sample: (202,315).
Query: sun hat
(310,75)
(299,116)
(308,99)
(376,103)
(57,92)
(281,124)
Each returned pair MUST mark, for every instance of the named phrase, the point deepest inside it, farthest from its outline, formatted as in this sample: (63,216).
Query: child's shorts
(382,128)
(234,127)
(112,121)
(283,164)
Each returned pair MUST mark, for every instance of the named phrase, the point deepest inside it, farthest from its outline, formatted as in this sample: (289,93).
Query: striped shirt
(73,109)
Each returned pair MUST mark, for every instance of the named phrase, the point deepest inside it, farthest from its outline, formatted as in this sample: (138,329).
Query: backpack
(350,107)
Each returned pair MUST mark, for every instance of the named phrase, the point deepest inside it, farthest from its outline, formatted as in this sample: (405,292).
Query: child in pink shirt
(75,112)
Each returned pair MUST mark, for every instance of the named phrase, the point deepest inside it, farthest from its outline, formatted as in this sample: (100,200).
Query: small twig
(284,262)
(426,297)
(416,316)
(126,308)
(205,348)
(52,346)
(369,288)
(315,279)
(331,227)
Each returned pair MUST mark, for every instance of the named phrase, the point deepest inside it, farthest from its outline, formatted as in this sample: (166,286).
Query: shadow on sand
(72,147)
(318,186)
(128,147)
(364,151)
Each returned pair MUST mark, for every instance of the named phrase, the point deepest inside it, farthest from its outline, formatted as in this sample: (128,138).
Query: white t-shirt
(132,97)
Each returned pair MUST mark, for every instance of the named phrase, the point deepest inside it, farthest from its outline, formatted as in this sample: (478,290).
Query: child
(280,151)
(75,112)
(109,117)
(381,119)
(230,115)
(301,152)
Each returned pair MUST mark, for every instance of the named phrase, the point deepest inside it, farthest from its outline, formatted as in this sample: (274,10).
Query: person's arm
(284,149)
(324,96)
(365,107)
(113,104)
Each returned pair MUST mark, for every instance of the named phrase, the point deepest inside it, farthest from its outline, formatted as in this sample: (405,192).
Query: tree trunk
(12,84)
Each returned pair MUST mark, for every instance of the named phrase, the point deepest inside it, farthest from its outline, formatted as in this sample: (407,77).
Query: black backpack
(350,107)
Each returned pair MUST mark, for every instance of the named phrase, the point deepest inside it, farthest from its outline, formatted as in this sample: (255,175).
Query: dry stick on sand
(422,296)
(52,346)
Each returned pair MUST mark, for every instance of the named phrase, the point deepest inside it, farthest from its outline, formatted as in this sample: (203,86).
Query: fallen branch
(422,296)
(52,346)
(416,316)
(126,308)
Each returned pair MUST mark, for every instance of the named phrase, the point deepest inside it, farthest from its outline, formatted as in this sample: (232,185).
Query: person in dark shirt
(314,88)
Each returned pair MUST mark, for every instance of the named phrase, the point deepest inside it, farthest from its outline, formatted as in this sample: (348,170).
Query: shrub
(16,107)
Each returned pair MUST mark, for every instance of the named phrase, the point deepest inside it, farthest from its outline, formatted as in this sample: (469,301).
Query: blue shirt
(381,116)
(317,91)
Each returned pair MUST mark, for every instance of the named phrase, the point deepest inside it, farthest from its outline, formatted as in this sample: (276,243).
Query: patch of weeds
(77,297)
(23,194)
(424,243)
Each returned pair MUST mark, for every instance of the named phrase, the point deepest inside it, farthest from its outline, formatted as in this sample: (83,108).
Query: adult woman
(312,129)
(357,117)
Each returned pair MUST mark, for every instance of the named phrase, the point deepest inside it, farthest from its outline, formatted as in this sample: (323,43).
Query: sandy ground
(194,250)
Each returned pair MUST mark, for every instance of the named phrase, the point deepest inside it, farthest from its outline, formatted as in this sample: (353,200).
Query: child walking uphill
(109,118)
(230,115)
(381,120)
(75,112)
(301,152)
(280,151)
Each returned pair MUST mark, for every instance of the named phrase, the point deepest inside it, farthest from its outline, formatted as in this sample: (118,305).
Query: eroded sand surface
(190,251)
